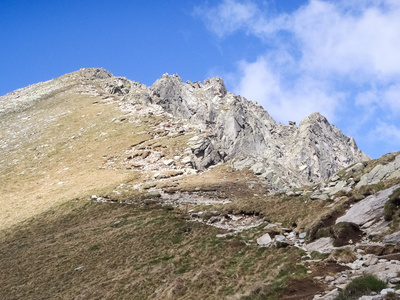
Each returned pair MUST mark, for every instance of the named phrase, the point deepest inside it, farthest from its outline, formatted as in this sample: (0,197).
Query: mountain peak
(315,117)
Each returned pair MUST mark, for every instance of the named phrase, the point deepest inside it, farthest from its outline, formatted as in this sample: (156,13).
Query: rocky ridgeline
(234,128)
(229,127)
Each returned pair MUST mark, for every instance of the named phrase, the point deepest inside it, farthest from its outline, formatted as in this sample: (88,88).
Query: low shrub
(344,232)
(391,205)
(388,210)
(361,286)
(395,196)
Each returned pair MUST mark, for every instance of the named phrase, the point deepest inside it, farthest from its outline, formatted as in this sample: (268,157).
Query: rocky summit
(111,189)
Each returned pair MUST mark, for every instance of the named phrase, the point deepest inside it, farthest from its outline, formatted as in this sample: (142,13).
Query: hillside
(112,189)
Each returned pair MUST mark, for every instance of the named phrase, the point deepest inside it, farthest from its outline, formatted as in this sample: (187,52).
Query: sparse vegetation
(345,255)
(345,232)
(318,255)
(392,205)
(361,286)
(392,295)
(115,251)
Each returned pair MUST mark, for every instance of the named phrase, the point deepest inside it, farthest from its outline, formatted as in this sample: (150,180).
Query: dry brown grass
(87,250)
(345,255)
(250,195)
(55,150)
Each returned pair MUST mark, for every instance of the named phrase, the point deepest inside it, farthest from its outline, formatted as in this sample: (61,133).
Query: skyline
(292,57)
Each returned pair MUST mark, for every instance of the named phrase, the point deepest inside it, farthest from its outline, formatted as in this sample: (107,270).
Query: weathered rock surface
(237,128)
(393,238)
(264,240)
(229,126)
(371,208)
(381,172)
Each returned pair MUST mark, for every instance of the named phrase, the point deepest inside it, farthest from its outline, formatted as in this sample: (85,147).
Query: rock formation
(235,128)
(230,128)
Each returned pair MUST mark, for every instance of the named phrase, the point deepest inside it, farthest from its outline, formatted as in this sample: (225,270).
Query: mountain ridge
(230,126)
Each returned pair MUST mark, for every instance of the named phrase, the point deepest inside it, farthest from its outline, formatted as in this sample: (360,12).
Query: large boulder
(369,209)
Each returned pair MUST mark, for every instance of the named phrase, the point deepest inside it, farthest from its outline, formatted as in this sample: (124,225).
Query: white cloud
(260,83)
(387,99)
(392,98)
(386,132)
(367,99)
(335,41)
(228,16)
(336,57)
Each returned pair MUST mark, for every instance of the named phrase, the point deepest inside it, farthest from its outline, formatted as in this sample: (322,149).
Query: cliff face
(228,127)
(235,128)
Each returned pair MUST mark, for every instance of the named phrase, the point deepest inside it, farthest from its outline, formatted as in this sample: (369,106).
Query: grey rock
(168,162)
(187,160)
(258,168)
(358,167)
(335,178)
(310,153)
(393,238)
(245,163)
(280,238)
(302,235)
(368,209)
(395,280)
(329,278)
(270,226)
(264,240)
(323,245)
(340,186)
(328,296)
(215,219)
(383,270)
(386,291)
(319,196)
(371,260)
(381,172)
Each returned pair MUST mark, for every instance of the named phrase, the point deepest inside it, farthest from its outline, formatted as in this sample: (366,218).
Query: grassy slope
(86,250)
(56,149)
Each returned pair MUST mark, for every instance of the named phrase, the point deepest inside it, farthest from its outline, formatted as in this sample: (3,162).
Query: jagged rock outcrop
(382,172)
(235,128)
(230,128)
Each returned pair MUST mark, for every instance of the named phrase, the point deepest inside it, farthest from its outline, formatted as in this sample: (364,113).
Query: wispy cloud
(228,16)
(336,57)
(385,132)
(260,81)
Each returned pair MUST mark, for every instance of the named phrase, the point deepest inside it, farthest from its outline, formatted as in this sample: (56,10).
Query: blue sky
(294,57)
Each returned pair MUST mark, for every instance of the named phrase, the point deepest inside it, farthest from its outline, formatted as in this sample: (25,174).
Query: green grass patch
(361,286)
